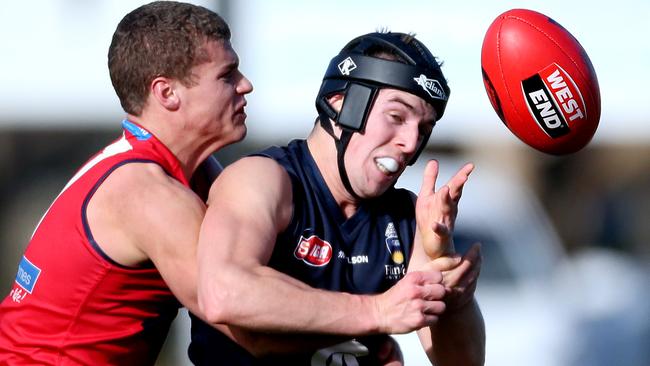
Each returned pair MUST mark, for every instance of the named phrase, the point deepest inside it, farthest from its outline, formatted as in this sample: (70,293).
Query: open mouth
(387,165)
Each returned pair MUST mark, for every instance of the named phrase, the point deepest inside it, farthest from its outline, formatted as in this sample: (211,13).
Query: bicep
(175,218)
(248,206)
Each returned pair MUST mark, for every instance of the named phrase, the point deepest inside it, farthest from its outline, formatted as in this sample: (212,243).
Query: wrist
(434,245)
(455,308)
(376,323)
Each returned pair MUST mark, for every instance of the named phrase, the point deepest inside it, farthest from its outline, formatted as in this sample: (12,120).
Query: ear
(164,92)
(336,101)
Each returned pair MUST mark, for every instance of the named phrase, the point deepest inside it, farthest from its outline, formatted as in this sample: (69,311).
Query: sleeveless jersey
(70,303)
(364,254)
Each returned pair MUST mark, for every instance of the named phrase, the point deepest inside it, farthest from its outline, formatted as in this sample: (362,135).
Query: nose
(408,138)
(244,86)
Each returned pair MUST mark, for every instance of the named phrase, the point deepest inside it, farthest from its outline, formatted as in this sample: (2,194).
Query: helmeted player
(324,211)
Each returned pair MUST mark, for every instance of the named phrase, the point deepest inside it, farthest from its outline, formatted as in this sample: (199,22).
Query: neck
(189,147)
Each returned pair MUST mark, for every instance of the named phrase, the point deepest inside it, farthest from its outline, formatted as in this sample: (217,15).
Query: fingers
(457,182)
(425,277)
(443,284)
(429,179)
(432,309)
(433,292)
(414,302)
(444,201)
(466,272)
(430,290)
(442,264)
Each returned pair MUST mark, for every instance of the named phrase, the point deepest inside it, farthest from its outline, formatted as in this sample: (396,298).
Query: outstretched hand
(436,210)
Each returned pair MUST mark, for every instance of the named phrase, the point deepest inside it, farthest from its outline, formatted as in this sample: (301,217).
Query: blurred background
(565,277)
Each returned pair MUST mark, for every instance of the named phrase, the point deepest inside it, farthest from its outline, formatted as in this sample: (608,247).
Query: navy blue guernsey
(364,254)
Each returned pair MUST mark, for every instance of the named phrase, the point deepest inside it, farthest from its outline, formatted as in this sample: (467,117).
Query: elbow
(214,306)
(222,297)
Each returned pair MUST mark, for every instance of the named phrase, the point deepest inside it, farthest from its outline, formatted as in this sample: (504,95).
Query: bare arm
(459,336)
(249,205)
(140,214)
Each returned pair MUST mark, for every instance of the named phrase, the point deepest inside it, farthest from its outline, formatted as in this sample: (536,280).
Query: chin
(243,133)
(240,133)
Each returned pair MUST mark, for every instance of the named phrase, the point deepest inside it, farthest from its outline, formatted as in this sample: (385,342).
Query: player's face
(215,103)
(398,123)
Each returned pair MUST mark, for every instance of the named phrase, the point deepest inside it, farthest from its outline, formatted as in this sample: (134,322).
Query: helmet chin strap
(341,145)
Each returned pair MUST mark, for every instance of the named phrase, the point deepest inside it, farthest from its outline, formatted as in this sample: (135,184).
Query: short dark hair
(162,38)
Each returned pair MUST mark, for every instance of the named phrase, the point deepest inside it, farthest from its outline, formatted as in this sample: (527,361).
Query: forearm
(283,304)
(458,338)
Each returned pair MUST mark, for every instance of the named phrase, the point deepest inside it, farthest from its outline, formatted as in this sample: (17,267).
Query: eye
(396,117)
(227,76)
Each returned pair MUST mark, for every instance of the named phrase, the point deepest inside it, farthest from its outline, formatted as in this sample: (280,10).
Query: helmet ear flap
(356,106)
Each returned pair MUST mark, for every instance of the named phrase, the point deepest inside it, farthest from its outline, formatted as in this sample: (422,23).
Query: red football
(540,82)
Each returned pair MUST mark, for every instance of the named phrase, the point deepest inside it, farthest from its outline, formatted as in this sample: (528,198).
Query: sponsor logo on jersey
(397,269)
(313,251)
(554,100)
(355,259)
(393,244)
(394,272)
(26,278)
(27,275)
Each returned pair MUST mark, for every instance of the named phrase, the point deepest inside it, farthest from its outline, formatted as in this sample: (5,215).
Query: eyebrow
(399,100)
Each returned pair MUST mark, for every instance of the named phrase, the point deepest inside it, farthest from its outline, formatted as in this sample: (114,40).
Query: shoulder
(253,184)
(134,208)
(256,174)
(143,181)
(154,195)
(290,156)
